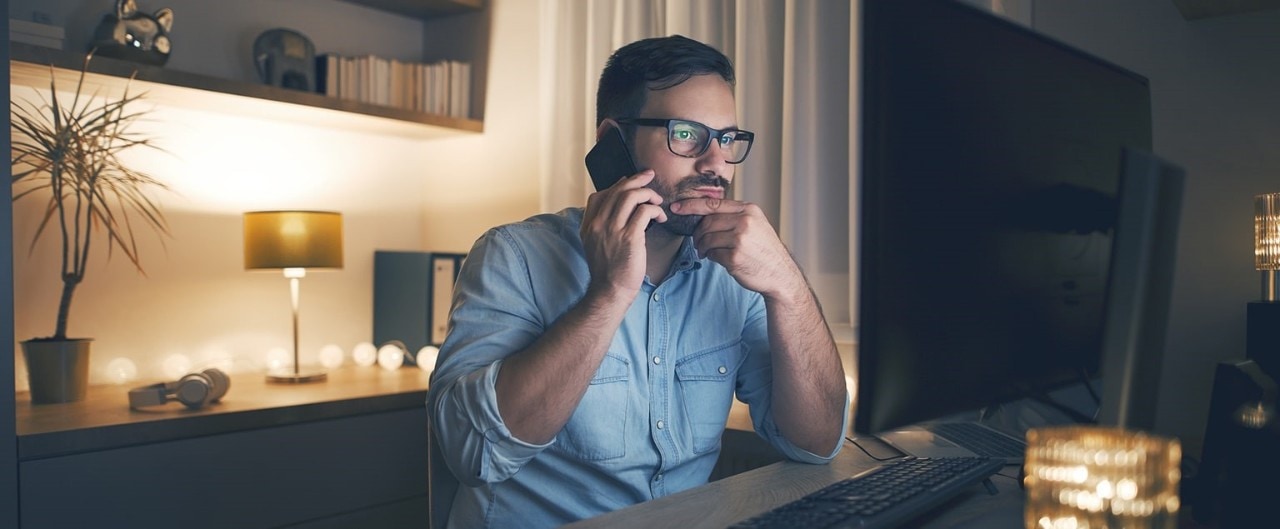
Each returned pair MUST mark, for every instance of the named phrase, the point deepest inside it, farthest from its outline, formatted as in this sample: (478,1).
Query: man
(593,357)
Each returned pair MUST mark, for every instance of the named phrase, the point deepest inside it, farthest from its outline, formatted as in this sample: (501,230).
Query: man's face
(706,99)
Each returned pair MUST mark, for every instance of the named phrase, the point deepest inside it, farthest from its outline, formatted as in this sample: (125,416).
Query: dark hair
(653,64)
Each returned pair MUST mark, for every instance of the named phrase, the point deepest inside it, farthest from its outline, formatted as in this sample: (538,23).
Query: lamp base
(289,376)
(1262,336)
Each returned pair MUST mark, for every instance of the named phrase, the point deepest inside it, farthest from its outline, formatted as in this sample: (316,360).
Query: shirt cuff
(502,453)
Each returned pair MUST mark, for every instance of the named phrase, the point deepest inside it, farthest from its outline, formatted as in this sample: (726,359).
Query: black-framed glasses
(690,139)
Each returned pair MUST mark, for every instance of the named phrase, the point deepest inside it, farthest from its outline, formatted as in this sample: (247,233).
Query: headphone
(194,390)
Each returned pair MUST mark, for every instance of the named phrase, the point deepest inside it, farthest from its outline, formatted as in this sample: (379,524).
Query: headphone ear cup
(221,382)
(194,390)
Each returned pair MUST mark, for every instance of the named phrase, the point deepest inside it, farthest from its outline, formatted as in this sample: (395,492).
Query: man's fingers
(707,206)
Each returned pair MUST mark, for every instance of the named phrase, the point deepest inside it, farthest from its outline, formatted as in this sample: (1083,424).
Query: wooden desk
(721,503)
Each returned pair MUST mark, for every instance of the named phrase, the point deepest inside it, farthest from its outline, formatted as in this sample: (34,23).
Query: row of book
(442,87)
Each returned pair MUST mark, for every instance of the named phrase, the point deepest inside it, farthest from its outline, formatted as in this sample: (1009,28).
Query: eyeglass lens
(688,138)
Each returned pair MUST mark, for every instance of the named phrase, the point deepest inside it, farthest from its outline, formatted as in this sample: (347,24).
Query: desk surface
(103,420)
(735,498)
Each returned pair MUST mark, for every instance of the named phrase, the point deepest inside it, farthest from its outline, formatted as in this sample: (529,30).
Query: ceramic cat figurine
(131,35)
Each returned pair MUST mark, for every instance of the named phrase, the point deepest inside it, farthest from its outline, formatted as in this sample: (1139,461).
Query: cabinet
(457,29)
(346,452)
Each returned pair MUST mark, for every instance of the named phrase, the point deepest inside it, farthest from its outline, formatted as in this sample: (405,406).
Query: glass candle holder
(1081,477)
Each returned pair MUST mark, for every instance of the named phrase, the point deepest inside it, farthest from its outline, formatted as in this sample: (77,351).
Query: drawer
(265,477)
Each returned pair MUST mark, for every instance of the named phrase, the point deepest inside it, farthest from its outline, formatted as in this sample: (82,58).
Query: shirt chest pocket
(597,429)
(706,382)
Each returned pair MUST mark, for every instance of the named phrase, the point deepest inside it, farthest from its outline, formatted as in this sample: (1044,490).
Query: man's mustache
(695,182)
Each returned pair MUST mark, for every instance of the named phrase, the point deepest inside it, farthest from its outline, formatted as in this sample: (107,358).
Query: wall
(1213,85)
(197,306)
(8,435)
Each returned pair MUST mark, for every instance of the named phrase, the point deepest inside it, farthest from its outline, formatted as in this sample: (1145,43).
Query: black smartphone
(610,160)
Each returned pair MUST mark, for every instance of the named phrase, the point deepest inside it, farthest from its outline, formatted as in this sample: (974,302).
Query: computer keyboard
(980,439)
(884,496)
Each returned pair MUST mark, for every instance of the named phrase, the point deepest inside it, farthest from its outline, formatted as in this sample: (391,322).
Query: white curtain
(796,89)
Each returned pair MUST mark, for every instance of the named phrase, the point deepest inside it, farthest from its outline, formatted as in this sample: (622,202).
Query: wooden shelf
(29,66)
(423,9)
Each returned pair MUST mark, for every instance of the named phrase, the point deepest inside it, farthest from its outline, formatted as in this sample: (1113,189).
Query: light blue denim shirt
(651,420)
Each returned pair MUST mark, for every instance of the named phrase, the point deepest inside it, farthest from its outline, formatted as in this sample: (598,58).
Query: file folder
(412,295)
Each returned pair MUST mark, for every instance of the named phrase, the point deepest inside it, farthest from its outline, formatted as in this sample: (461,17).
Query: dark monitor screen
(991,159)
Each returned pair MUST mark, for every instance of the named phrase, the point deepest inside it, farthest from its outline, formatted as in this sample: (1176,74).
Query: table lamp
(293,241)
(1266,243)
(1262,325)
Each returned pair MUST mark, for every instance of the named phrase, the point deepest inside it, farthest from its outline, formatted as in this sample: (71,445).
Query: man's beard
(684,225)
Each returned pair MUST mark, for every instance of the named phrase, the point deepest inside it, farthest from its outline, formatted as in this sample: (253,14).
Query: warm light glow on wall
(229,162)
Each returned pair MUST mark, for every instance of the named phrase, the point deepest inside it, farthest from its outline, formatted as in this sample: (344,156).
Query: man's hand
(739,237)
(613,232)
(807,385)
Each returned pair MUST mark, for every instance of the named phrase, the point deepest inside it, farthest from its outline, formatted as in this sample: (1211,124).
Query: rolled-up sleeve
(755,387)
(493,316)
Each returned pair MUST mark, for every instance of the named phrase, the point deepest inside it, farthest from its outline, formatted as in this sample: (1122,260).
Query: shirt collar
(687,257)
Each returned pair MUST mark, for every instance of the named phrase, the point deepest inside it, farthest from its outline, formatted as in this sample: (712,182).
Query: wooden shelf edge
(28,61)
(423,9)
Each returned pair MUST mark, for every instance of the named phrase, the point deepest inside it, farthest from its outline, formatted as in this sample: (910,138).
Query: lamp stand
(1262,336)
(1271,285)
(296,375)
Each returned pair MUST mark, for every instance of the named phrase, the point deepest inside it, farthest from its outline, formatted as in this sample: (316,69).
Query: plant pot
(57,370)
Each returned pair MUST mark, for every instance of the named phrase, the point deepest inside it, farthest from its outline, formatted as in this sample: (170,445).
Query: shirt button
(657,297)
(657,359)
(723,370)
(658,477)
(661,425)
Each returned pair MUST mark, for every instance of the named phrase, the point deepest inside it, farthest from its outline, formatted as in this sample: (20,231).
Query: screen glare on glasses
(691,139)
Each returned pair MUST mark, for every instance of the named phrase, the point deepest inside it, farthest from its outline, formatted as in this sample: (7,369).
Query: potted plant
(67,152)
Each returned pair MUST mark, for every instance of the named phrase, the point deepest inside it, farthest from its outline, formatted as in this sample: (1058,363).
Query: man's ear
(604,127)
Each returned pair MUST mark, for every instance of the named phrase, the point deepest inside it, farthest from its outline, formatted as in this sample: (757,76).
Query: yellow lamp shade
(292,239)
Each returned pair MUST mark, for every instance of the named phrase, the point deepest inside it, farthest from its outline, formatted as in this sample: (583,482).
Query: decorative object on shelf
(134,36)
(364,354)
(69,153)
(392,355)
(285,58)
(426,358)
(193,390)
(332,356)
(293,241)
(1088,476)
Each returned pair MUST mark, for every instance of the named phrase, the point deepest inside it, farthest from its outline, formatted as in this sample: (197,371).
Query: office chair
(442,485)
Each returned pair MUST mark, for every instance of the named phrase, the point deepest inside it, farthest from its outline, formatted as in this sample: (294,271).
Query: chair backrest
(442,485)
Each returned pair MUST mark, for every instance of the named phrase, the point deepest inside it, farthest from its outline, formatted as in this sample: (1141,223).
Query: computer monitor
(989,197)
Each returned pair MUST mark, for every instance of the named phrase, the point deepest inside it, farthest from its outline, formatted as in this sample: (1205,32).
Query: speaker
(193,390)
(1235,485)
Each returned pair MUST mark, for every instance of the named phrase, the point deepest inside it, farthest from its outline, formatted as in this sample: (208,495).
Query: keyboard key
(881,497)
